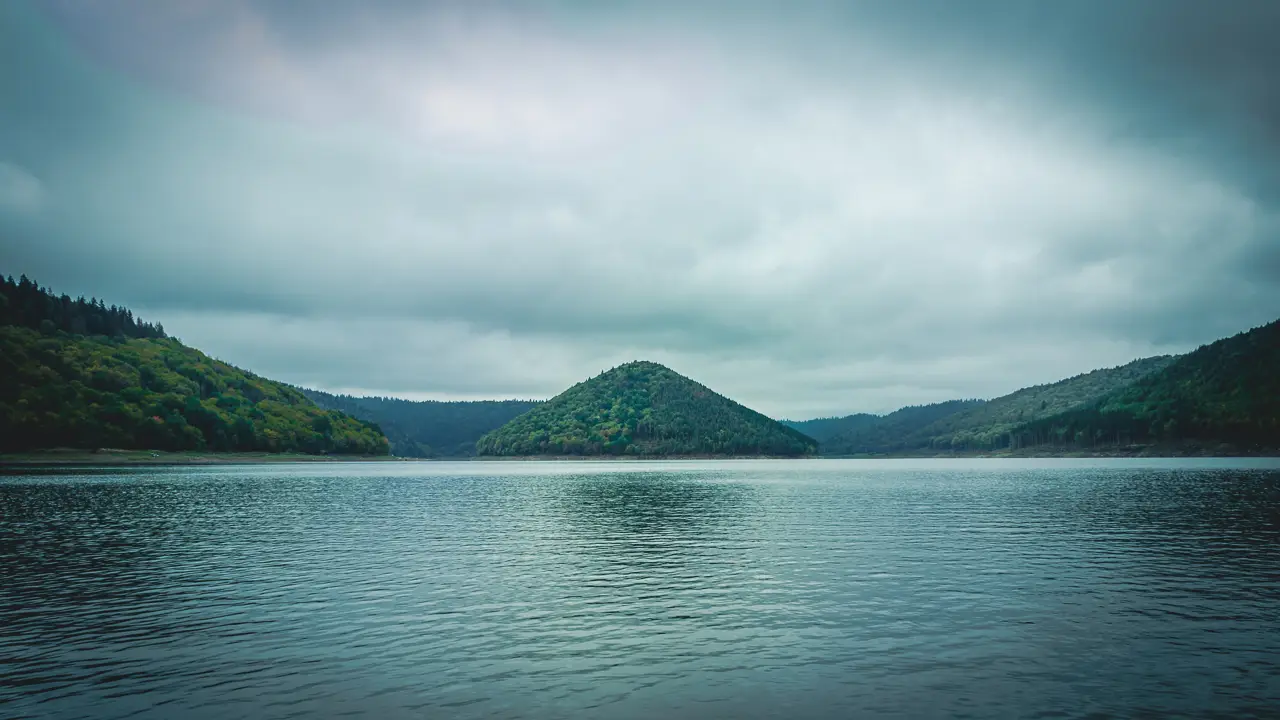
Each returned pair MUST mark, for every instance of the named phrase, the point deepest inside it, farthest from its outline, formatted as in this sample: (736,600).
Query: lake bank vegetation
(427,428)
(140,389)
(81,374)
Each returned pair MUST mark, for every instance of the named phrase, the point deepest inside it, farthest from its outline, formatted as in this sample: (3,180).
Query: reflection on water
(664,517)
(651,503)
(765,589)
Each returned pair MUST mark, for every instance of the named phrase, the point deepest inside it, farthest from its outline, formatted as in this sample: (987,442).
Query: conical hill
(643,409)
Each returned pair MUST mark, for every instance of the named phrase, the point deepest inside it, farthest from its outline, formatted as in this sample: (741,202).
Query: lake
(738,589)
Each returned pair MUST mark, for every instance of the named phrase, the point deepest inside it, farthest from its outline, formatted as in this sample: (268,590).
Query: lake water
(805,589)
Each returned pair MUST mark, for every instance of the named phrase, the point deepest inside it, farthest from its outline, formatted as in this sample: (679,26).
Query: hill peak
(640,365)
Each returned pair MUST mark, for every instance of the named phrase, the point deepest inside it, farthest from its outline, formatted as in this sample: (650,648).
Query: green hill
(894,432)
(131,387)
(427,428)
(988,426)
(823,429)
(643,409)
(975,425)
(1223,394)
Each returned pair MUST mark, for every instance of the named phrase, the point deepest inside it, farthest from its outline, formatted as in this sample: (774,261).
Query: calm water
(676,590)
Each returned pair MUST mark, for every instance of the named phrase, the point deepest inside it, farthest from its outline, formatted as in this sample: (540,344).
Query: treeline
(643,409)
(60,388)
(427,428)
(1223,397)
(823,429)
(982,425)
(1225,394)
(23,303)
(895,433)
(96,392)
(993,425)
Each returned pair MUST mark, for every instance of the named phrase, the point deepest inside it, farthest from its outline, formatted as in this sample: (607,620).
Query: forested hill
(643,409)
(427,428)
(987,426)
(1223,397)
(130,387)
(823,429)
(978,426)
(893,433)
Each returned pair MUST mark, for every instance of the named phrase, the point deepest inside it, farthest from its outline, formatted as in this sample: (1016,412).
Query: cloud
(816,213)
(20,191)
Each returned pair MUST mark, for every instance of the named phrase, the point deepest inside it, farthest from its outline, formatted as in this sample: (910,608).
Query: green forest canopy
(989,425)
(893,433)
(645,409)
(427,428)
(976,425)
(130,387)
(1226,393)
(24,303)
(823,429)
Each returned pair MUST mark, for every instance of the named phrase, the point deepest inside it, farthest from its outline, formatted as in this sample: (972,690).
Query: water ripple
(765,589)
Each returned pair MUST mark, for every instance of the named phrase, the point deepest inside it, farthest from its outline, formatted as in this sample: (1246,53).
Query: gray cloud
(833,209)
(20,191)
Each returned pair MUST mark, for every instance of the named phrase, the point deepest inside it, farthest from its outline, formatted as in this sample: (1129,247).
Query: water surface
(801,589)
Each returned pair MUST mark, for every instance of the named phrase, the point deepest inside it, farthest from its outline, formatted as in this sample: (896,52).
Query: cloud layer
(820,212)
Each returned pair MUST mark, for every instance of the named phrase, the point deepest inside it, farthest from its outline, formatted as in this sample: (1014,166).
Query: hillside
(1223,394)
(982,426)
(136,389)
(987,426)
(823,429)
(643,409)
(893,433)
(427,428)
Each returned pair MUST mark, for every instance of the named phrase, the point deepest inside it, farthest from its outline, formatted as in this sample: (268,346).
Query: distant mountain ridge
(892,433)
(427,428)
(823,429)
(643,409)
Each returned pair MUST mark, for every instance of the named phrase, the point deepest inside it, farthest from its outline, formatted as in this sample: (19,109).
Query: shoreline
(1134,452)
(129,458)
(63,457)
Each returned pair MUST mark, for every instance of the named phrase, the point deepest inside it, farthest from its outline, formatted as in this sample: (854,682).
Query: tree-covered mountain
(427,428)
(1225,395)
(893,433)
(975,425)
(136,389)
(643,409)
(988,426)
(823,429)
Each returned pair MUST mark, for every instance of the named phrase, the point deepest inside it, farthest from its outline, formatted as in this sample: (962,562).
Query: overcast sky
(813,208)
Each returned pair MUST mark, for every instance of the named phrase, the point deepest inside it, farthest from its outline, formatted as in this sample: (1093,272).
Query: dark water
(680,590)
